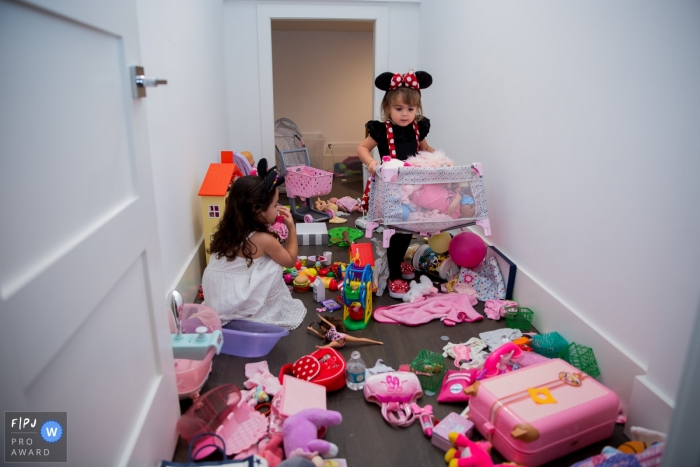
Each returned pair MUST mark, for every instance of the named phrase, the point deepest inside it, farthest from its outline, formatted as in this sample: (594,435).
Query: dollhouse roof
(217,179)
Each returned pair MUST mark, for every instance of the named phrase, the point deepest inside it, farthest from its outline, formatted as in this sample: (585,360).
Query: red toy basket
(332,374)
(305,182)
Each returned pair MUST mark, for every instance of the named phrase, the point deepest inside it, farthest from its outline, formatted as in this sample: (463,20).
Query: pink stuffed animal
(300,433)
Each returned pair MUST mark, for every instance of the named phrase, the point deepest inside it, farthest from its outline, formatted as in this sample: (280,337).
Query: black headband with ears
(388,81)
(272,177)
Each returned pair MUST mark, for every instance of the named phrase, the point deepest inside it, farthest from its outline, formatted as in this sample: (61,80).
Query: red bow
(408,80)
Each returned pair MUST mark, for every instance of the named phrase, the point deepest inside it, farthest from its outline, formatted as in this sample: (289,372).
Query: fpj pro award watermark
(36,437)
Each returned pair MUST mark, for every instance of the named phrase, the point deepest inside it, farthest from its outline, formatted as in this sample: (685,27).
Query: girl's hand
(288,219)
(372,167)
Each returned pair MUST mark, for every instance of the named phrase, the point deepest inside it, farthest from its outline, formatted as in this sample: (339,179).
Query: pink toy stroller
(301,179)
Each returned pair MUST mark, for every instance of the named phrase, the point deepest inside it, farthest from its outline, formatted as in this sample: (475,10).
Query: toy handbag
(328,369)
(394,391)
(454,384)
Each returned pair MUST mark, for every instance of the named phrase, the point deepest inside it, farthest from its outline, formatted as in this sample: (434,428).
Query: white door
(83,319)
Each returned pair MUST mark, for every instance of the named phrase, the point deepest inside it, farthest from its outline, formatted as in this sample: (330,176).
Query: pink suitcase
(530,433)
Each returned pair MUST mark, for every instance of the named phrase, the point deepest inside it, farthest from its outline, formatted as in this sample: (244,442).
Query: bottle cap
(355,354)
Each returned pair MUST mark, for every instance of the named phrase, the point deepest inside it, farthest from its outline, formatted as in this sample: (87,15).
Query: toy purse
(394,391)
(454,384)
(327,365)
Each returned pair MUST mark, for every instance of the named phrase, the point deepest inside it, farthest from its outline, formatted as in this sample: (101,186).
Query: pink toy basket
(304,181)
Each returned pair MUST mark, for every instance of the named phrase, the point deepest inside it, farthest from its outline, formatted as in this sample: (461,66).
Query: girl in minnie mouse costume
(400,135)
(244,277)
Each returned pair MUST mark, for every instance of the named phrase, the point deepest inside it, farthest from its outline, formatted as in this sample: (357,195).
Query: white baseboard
(190,277)
(621,371)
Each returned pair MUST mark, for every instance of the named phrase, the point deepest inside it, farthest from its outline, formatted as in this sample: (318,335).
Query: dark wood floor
(364,439)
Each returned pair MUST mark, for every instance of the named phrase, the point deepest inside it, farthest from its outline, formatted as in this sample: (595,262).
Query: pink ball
(467,250)
(288,278)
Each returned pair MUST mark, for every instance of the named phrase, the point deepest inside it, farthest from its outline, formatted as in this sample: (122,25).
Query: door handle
(139,81)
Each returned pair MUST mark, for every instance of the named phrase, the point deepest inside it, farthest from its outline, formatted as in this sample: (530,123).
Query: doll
(333,331)
(324,206)
(346,204)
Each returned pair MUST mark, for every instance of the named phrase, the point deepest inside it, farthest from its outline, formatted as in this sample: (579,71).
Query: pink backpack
(394,391)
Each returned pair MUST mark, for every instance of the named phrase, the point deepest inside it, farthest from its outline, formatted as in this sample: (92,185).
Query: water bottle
(355,372)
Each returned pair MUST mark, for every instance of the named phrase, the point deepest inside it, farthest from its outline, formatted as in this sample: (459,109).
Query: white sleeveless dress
(256,293)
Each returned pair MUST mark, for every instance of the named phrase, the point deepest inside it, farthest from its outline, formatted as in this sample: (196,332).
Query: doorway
(323,75)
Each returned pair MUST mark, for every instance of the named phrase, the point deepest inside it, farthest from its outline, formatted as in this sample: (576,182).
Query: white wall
(187,121)
(241,59)
(323,81)
(585,115)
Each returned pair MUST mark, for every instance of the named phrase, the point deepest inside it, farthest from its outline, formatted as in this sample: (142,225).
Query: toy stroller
(300,178)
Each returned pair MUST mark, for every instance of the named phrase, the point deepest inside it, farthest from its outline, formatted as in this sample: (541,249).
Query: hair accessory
(272,177)
(388,81)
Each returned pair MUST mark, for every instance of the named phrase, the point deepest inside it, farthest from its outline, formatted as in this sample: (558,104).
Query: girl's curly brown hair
(245,213)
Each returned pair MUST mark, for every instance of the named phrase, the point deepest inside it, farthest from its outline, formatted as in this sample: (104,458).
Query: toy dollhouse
(213,193)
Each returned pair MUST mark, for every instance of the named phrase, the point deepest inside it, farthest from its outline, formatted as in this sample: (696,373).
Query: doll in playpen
(333,332)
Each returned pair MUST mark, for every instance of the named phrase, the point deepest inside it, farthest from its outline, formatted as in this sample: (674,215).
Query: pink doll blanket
(450,308)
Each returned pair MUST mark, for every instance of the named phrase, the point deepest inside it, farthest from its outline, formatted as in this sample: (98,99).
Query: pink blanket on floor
(450,308)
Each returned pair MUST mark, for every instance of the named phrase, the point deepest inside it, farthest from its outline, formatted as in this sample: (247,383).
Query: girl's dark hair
(336,321)
(245,213)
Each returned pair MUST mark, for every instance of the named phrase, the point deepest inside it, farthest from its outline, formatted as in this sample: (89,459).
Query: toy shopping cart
(304,181)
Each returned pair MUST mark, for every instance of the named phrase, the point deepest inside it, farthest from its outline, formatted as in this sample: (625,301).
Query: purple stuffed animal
(300,434)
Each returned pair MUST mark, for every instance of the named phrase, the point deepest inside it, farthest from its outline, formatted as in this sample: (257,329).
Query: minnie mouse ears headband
(272,177)
(389,81)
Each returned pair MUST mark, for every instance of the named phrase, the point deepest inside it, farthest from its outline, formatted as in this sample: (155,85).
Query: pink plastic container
(306,182)
(192,374)
(580,412)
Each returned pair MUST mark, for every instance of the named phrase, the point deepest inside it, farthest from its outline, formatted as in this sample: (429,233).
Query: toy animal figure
(300,434)
(333,332)
(418,289)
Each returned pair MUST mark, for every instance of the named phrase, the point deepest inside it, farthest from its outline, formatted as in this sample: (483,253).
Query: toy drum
(411,252)
(436,264)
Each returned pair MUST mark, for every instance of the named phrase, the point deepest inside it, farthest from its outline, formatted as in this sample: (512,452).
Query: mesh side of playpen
(386,205)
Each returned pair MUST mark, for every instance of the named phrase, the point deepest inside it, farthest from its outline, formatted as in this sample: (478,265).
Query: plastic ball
(288,278)
(440,243)
(467,250)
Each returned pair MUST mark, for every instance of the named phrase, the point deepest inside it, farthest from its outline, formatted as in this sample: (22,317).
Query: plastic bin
(520,318)
(430,368)
(249,339)
(548,344)
(581,357)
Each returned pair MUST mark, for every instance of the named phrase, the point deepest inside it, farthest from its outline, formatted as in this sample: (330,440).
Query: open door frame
(266,13)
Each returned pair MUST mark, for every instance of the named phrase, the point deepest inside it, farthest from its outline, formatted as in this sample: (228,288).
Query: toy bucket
(436,264)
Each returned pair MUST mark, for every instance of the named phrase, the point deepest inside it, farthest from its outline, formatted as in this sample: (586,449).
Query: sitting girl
(244,277)
(333,331)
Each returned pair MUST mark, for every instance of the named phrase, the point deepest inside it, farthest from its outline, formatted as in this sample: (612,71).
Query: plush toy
(419,289)
(430,159)
(467,453)
(300,433)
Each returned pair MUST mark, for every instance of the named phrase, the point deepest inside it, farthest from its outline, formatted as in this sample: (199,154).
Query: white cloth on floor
(256,293)
(495,339)
(476,350)
(378,367)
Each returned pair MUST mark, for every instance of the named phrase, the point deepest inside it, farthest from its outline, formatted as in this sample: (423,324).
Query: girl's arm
(285,256)
(424,146)
(364,152)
